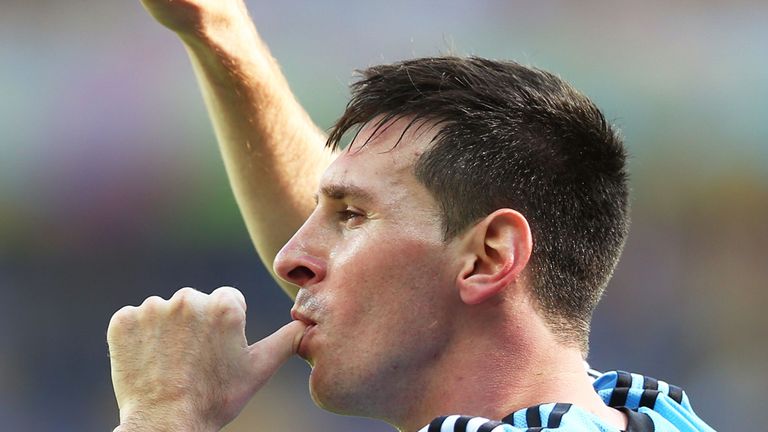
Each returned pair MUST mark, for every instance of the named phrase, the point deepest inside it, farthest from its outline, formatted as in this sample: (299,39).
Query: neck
(492,377)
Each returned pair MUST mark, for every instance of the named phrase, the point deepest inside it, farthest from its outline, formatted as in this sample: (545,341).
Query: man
(450,265)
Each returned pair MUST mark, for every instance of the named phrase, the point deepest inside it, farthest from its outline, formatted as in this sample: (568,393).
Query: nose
(294,265)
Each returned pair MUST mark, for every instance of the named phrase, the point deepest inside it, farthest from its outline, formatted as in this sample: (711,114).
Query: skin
(374,273)
(397,310)
(185,364)
(259,125)
(392,309)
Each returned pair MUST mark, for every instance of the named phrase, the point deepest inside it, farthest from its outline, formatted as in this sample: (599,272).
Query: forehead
(381,156)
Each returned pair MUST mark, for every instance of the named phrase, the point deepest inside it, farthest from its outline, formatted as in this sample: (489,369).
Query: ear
(496,250)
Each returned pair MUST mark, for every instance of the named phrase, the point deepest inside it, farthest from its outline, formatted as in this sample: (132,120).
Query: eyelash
(347,215)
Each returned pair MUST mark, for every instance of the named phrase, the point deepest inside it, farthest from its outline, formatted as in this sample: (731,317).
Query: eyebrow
(342,191)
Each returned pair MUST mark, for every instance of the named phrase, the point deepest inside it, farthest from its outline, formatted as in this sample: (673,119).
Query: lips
(298,316)
(303,350)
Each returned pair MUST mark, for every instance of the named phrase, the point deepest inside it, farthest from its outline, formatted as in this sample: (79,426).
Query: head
(447,149)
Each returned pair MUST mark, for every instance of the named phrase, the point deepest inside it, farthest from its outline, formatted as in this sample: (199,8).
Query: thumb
(268,354)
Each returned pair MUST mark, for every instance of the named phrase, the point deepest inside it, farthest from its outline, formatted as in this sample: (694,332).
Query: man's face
(376,277)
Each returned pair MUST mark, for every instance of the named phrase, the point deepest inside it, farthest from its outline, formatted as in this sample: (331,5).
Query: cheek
(397,263)
(389,311)
(385,273)
(390,279)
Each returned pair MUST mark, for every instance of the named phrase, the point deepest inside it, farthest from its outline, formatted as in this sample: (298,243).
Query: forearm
(272,150)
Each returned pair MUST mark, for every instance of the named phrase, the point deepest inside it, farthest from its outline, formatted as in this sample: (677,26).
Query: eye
(350,216)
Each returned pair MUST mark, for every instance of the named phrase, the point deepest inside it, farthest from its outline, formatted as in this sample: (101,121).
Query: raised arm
(272,150)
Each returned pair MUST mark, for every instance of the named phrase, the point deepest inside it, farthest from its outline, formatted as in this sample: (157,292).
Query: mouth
(298,316)
(303,349)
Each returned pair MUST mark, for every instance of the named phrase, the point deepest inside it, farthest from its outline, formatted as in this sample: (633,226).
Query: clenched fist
(185,363)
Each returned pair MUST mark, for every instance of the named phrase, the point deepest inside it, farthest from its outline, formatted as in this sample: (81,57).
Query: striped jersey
(651,405)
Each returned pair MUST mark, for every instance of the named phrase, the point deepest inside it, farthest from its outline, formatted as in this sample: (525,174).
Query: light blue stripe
(519,418)
(633,398)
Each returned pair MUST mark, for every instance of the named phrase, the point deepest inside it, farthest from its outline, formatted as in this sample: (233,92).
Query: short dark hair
(518,137)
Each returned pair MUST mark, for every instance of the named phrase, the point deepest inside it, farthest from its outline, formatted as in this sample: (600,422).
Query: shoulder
(651,405)
(550,416)
(464,423)
(666,405)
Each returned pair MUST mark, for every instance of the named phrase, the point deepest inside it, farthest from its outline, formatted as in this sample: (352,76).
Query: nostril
(300,275)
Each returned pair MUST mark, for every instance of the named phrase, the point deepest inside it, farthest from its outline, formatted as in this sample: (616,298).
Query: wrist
(235,46)
(159,419)
(234,58)
(224,32)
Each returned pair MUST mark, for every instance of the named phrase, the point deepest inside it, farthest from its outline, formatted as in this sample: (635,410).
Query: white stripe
(449,423)
(637,381)
(663,387)
(474,424)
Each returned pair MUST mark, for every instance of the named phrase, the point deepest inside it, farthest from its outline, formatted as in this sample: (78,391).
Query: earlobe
(496,250)
(478,287)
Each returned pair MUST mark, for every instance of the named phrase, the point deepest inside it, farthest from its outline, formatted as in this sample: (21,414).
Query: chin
(334,393)
(327,393)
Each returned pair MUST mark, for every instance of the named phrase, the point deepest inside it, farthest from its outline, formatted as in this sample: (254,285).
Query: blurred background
(112,189)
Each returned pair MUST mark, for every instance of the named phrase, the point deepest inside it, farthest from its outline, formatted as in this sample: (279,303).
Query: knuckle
(233,317)
(124,315)
(227,310)
(185,299)
(225,291)
(152,304)
(186,292)
(121,320)
(232,293)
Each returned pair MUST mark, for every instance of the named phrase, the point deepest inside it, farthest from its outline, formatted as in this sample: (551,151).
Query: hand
(185,363)
(192,16)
